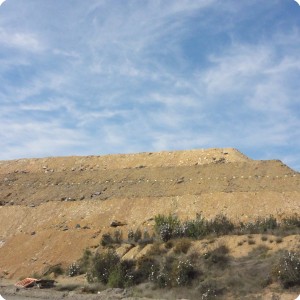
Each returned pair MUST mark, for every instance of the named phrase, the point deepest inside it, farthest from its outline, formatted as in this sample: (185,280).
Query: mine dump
(204,213)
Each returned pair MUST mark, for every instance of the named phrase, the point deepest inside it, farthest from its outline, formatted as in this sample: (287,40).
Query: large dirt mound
(53,208)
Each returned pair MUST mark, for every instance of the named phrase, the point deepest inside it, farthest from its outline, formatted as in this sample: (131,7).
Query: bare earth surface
(52,209)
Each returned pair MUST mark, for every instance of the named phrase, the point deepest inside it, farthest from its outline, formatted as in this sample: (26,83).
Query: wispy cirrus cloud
(104,77)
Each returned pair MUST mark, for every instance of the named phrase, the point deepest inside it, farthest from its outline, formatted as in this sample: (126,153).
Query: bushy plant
(103,265)
(147,267)
(85,261)
(167,227)
(288,270)
(123,275)
(261,225)
(73,270)
(195,228)
(292,222)
(221,225)
(209,289)
(107,240)
(137,235)
(183,272)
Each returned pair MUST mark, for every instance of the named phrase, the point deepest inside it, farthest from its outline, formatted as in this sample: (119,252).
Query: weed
(183,272)
(288,269)
(264,238)
(73,270)
(209,289)
(218,256)
(251,242)
(279,240)
(291,222)
(221,225)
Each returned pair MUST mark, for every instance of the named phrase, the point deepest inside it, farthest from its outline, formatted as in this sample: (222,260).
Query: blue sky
(120,76)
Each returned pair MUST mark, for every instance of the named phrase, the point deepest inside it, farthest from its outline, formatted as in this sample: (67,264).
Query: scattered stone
(117,223)
(180,180)
(31,205)
(77,226)
(95,194)
(82,197)
(33,233)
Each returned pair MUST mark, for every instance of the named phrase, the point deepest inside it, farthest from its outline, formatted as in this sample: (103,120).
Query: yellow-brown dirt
(53,208)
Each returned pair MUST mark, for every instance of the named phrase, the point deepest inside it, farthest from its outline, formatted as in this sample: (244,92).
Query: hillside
(53,208)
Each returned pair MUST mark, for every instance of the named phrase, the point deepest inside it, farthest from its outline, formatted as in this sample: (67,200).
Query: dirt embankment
(53,208)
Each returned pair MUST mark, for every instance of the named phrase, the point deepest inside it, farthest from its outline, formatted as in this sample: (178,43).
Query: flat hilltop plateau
(51,209)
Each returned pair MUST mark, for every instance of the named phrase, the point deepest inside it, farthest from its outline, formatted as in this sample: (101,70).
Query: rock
(95,194)
(117,223)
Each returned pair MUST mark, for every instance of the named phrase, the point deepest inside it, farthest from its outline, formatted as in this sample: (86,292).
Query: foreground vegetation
(170,263)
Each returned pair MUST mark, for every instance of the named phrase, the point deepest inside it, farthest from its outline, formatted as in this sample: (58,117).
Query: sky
(101,77)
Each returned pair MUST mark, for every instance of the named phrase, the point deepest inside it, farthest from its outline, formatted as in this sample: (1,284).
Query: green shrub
(85,261)
(183,272)
(288,269)
(195,229)
(122,275)
(73,270)
(167,227)
(292,222)
(107,240)
(261,225)
(137,235)
(103,265)
(147,267)
(221,225)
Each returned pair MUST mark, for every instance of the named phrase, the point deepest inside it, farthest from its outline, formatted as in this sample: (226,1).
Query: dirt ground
(51,209)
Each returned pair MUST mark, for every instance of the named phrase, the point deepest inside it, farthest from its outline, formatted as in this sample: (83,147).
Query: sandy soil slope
(53,208)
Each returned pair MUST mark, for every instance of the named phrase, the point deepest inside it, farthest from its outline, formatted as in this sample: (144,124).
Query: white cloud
(1,2)
(21,40)
(131,77)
